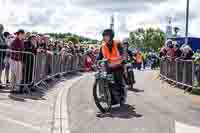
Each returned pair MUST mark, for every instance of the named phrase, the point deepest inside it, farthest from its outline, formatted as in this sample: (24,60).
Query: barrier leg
(193,76)
(184,73)
(27,90)
(40,89)
(46,85)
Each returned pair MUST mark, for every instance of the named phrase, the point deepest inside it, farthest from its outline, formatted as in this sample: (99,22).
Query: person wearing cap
(16,59)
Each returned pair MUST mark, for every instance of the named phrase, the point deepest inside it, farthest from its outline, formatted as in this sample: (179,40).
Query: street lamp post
(112,23)
(187,21)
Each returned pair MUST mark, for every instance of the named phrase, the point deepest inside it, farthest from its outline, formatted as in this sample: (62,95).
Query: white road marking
(183,128)
(61,124)
(20,123)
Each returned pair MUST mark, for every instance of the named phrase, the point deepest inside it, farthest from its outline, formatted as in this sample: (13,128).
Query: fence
(182,72)
(29,69)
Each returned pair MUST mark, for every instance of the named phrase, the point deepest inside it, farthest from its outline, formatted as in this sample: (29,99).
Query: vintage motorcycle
(129,73)
(104,86)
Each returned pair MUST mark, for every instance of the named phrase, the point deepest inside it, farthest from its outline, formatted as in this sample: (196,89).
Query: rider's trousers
(118,88)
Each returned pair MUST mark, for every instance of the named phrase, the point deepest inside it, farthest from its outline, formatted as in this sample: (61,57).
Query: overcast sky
(90,17)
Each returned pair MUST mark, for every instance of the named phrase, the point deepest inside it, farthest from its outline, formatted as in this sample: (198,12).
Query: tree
(147,39)
(73,39)
(136,38)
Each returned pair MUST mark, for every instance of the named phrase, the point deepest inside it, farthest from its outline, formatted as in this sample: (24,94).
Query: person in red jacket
(89,61)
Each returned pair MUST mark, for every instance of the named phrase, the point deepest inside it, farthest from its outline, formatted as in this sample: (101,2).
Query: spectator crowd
(144,60)
(180,63)
(174,51)
(18,51)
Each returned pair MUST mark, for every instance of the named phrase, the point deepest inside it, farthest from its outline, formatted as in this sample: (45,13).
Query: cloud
(110,6)
(157,16)
(90,17)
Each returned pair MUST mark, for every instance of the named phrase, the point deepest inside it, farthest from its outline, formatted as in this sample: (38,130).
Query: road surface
(156,108)
(32,114)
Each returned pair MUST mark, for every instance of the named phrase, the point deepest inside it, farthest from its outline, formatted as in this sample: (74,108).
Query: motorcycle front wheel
(102,96)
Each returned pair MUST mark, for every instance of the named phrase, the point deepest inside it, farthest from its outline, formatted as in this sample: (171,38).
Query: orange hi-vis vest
(114,56)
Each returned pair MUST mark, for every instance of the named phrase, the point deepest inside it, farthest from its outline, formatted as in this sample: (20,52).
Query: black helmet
(126,41)
(109,32)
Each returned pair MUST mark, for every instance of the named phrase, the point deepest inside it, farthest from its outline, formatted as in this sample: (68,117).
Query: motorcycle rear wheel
(131,79)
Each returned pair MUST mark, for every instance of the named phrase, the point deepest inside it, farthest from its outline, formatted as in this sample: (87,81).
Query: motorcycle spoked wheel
(102,96)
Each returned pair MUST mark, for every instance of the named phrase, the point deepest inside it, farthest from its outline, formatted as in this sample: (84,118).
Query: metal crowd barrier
(26,69)
(179,71)
(81,62)
(49,65)
(16,68)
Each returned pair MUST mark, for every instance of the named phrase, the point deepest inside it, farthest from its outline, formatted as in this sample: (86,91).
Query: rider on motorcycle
(128,55)
(113,52)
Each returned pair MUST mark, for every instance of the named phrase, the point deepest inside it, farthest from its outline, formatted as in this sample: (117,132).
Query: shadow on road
(4,91)
(124,112)
(135,90)
(38,92)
